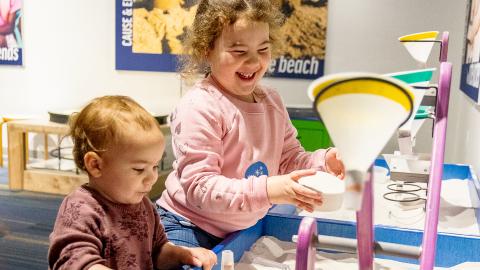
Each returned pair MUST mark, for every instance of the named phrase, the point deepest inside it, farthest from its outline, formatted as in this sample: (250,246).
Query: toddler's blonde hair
(104,122)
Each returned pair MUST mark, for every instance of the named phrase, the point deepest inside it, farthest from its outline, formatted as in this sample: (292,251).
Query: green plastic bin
(312,134)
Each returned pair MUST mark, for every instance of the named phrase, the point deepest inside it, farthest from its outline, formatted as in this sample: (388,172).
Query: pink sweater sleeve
(198,130)
(294,156)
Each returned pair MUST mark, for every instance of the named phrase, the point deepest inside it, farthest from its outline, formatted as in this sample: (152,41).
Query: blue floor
(26,220)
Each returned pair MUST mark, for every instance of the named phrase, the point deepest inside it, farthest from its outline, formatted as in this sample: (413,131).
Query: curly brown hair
(211,17)
(104,122)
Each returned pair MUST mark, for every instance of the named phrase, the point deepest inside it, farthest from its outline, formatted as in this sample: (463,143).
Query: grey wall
(363,36)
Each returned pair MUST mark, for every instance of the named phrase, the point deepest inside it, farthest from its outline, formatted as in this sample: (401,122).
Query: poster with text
(11,32)
(470,77)
(149,36)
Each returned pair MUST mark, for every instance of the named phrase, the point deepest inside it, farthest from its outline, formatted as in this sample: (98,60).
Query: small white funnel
(419,45)
(361,112)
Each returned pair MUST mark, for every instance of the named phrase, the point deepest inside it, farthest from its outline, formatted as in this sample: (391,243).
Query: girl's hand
(285,189)
(199,257)
(334,164)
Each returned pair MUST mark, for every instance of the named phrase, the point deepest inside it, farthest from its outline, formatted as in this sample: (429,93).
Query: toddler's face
(129,169)
(241,56)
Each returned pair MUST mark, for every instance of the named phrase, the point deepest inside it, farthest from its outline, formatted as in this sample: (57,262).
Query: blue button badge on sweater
(256,169)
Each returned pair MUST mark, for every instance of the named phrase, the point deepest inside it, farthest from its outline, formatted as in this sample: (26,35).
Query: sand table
(271,253)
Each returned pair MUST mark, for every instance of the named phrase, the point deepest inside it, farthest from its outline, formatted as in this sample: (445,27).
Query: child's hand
(199,257)
(172,256)
(334,164)
(282,189)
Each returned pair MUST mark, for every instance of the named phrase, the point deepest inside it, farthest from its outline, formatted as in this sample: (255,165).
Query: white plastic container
(227,260)
(330,186)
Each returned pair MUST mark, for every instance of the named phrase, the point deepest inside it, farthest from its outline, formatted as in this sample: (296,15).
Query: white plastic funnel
(419,45)
(361,111)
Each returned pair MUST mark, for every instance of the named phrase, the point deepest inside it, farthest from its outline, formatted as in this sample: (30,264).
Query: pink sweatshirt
(225,148)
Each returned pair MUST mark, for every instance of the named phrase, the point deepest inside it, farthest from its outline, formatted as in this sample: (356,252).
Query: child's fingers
(304,206)
(309,200)
(341,175)
(206,258)
(337,169)
(211,260)
(196,262)
(338,172)
(302,191)
(191,259)
(295,175)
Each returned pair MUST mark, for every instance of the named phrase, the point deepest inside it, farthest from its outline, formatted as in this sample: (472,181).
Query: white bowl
(330,186)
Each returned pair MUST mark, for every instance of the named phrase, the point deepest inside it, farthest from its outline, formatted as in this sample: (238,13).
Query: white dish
(330,186)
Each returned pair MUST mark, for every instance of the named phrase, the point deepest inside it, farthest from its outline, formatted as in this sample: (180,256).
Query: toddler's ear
(93,164)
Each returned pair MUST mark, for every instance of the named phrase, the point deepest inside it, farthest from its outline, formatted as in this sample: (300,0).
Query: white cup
(330,186)
(227,260)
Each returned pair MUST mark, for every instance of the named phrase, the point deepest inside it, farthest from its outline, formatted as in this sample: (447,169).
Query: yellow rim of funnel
(390,88)
(419,36)
(394,87)
(315,87)
(369,86)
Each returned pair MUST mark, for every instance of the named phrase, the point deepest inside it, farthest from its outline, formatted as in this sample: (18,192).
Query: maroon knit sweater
(92,230)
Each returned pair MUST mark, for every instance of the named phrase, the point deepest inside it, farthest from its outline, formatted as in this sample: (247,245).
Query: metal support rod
(305,257)
(365,232)
(444,47)
(398,250)
(349,245)
(427,260)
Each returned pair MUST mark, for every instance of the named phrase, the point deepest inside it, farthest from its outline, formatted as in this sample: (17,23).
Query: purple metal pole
(427,259)
(306,250)
(365,233)
(444,47)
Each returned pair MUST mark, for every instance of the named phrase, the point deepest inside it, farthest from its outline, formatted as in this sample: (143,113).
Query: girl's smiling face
(240,57)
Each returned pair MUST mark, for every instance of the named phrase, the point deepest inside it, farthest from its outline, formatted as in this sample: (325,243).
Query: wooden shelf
(45,180)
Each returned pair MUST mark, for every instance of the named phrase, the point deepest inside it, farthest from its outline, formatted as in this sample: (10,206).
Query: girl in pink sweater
(109,223)
(235,147)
